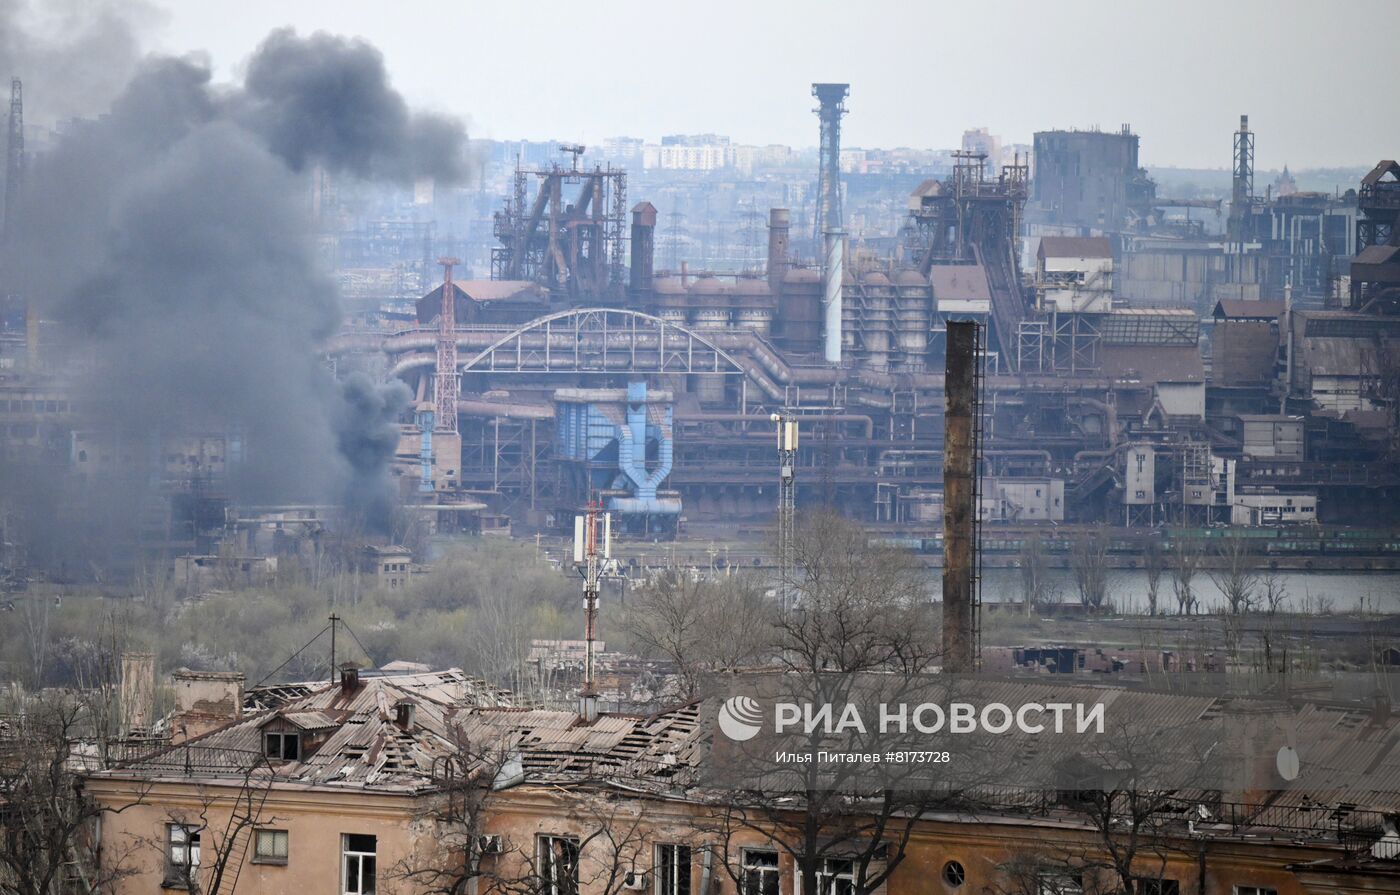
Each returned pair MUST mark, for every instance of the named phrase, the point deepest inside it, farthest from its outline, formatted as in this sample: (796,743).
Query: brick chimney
(205,701)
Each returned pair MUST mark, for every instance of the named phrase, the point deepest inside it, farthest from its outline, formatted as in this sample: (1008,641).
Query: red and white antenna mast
(593,556)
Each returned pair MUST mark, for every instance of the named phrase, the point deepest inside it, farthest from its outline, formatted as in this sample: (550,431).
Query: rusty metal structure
(445,381)
(960,424)
(974,219)
(575,248)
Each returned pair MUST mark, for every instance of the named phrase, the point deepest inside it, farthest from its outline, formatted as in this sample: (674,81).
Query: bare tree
(1088,560)
(453,855)
(48,826)
(701,626)
(861,606)
(1185,563)
(1036,588)
(1235,573)
(1153,565)
(205,834)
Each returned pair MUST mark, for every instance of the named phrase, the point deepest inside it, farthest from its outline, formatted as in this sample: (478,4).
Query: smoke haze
(172,239)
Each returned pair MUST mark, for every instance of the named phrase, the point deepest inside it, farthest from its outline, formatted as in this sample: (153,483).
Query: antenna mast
(593,556)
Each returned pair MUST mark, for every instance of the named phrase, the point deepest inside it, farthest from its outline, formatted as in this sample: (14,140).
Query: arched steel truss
(603,340)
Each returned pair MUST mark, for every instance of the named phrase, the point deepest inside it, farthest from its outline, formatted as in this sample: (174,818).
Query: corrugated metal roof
(1075,247)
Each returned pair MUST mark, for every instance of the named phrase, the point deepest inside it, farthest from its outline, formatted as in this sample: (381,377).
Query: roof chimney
(349,677)
(403,713)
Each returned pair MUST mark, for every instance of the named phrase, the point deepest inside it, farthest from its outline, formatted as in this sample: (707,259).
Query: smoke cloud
(172,239)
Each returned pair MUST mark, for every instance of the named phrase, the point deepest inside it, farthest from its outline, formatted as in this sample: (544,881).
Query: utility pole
(334,620)
(593,557)
(787,503)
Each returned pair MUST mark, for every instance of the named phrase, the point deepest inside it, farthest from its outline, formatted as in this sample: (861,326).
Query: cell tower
(1242,194)
(787,503)
(445,383)
(14,156)
(593,557)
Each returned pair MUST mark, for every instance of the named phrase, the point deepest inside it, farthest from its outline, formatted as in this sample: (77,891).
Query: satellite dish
(1287,762)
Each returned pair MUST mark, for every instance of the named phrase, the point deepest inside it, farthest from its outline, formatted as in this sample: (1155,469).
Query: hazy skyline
(1180,74)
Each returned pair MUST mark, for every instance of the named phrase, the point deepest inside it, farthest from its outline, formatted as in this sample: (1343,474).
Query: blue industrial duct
(610,432)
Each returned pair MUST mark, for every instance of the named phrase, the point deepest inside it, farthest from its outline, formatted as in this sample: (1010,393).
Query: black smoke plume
(171,237)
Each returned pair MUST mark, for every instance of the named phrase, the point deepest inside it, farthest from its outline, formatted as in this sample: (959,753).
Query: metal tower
(14,156)
(830,234)
(787,503)
(1242,195)
(832,108)
(445,382)
(593,556)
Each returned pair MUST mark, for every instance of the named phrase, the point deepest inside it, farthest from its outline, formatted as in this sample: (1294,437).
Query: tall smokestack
(643,250)
(830,222)
(779,227)
(959,495)
(833,273)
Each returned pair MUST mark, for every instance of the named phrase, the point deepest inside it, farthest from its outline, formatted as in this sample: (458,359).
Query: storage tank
(669,300)
(753,305)
(708,303)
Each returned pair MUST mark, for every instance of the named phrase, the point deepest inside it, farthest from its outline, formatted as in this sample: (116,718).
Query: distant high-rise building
(980,140)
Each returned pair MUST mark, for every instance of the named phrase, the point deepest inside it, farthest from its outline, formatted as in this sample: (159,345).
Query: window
(1254,890)
(1147,886)
(836,876)
(954,874)
(672,870)
(760,871)
(357,853)
(282,746)
(181,854)
(270,847)
(1060,884)
(558,864)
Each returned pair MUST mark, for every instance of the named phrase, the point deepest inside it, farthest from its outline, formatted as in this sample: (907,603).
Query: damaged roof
(352,734)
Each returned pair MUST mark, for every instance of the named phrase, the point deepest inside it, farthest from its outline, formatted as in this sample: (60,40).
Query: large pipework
(959,496)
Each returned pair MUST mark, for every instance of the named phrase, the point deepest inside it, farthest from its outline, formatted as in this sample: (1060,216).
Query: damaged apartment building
(394,779)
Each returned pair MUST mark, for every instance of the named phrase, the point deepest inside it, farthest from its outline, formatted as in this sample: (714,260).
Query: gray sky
(1314,77)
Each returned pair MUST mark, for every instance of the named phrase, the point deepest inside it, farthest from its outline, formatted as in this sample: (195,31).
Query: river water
(1306,591)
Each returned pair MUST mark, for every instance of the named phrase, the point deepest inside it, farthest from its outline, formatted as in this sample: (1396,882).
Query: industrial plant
(319,413)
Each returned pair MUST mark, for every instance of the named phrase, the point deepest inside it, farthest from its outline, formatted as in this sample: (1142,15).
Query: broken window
(673,870)
(558,865)
(760,866)
(836,876)
(181,855)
